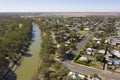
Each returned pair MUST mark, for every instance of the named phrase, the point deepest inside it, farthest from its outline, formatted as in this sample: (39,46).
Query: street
(105,75)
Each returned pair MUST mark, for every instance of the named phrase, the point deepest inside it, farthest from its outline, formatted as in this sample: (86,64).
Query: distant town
(60,46)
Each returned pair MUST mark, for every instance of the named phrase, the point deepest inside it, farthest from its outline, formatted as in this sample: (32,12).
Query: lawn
(93,63)
(20,25)
(96,64)
(83,32)
(117,47)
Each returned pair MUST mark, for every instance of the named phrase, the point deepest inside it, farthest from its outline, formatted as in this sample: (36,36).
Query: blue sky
(59,5)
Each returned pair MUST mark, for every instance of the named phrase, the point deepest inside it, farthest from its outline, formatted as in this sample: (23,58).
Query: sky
(59,5)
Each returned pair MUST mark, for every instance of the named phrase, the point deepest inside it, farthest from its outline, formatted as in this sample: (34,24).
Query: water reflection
(32,41)
(28,55)
(33,35)
(28,66)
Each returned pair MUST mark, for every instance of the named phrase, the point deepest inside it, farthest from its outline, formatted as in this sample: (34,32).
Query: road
(82,43)
(87,37)
(105,75)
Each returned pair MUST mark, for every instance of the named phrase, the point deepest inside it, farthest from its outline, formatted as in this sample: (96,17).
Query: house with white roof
(76,75)
(97,40)
(84,59)
(90,51)
(101,52)
(95,79)
(116,41)
(116,53)
(100,32)
(86,29)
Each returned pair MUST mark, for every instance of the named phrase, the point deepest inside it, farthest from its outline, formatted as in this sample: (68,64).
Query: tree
(99,57)
(62,50)
(94,75)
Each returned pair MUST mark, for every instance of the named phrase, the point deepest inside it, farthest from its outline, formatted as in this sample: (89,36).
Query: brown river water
(30,62)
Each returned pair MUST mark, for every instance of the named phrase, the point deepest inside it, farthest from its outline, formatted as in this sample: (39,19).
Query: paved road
(105,75)
(82,43)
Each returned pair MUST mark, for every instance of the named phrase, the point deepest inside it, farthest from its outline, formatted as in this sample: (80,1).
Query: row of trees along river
(15,38)
(20,41)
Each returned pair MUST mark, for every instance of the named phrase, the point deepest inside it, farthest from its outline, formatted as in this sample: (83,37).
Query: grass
(90,57)
(54,40)
(93,63)
(96,64)
(117,47)
(20,25)
(83,32)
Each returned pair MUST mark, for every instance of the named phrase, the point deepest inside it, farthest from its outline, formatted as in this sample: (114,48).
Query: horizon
(59,12)
(60,6)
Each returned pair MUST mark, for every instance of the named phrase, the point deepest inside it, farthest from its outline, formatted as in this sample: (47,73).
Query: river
(30,62)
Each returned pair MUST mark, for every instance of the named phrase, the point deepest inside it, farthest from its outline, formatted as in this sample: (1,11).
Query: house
(58,45)
(97,40)
(108,41)
(113,43)
(101,52)
(67,42)
(90,51)
(67,25)
(100,32)
(114,61)
(116,41)
(95,78)
(116,53)
(76,75)
(86,29)
(84,59)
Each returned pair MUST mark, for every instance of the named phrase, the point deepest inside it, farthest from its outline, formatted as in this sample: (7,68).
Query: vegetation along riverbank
(49,68)
(15,38)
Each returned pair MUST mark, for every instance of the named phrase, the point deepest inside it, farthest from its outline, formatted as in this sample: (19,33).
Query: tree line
(15,37)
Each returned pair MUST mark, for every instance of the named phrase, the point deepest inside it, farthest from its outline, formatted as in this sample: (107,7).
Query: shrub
(100,57)
(76,57)
(84,63)
(81,52)
(95,75)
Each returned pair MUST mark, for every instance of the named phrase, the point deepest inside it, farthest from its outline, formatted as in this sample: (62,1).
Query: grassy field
(20,25)
(83,32)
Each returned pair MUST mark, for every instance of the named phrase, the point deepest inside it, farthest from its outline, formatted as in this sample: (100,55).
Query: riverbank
(49,68)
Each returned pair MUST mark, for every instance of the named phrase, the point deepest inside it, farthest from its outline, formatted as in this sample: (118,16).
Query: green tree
(99,57)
